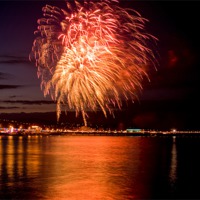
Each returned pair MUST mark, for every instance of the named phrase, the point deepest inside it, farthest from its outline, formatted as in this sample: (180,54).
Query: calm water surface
(99,168)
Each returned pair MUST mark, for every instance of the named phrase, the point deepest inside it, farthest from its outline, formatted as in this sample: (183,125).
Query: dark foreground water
(99,168)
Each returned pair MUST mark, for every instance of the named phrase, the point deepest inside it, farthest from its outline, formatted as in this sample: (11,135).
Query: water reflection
(87,167)
(19,163)
(173,166)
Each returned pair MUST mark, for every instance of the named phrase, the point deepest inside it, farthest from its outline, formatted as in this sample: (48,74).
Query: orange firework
(92,55)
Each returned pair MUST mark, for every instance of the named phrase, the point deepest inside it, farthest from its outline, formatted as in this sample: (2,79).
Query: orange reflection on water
(93,168)
(17,161)
(80,167)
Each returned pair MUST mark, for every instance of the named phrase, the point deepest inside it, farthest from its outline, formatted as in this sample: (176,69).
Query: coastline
(110,133)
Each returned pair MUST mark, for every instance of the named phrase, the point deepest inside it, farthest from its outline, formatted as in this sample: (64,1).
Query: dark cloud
(13,96)
(38,102)
(9,86)
(6,108)
(3,76)
(10,59)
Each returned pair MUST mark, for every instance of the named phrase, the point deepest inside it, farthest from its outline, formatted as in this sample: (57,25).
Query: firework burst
(91,56)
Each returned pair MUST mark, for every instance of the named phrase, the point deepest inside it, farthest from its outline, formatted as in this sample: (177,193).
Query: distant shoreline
(85,133)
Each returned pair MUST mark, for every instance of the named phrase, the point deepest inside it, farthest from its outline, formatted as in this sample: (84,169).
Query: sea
(99,167)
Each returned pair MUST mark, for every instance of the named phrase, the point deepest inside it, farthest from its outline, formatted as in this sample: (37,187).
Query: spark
(91,56)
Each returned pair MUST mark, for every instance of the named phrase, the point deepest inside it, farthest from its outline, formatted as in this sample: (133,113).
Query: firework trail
(91,56)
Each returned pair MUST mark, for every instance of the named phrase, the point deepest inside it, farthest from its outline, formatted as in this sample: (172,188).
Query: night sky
(169,100)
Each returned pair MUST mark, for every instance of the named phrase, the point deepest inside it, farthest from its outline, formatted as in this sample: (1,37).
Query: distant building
(133,130)
(34,129)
